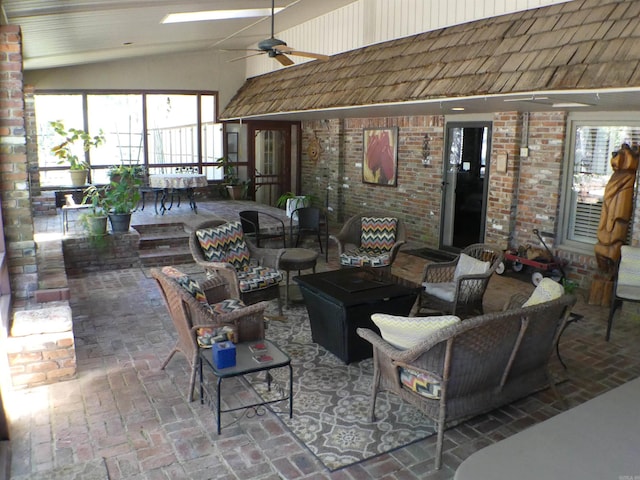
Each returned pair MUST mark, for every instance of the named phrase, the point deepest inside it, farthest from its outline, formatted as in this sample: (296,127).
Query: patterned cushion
(190,285)
(258,278)
(421,383)
(470,266)
(227,306)
(405,332)
(378,234)
(360,257)
(546,291)
(207,336)
(225,243)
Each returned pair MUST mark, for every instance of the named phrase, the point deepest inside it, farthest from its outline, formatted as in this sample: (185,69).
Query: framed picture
(380,156)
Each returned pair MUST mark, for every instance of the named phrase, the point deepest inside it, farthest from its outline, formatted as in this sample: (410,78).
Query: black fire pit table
(341,301)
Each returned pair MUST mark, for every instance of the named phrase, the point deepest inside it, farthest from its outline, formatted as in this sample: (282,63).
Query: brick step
(157,228)
(165,256)
(150,241)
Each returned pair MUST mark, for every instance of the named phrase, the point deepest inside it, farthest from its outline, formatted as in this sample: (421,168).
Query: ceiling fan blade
(283,59)
(291,51)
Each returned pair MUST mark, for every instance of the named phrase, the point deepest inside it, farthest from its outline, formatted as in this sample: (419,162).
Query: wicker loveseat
(475,365)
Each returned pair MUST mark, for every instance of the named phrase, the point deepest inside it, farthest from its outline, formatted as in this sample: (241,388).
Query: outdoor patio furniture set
(451,366)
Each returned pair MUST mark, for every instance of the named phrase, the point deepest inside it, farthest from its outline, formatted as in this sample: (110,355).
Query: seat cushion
(629,273)
(258,278)
(360,257)
(225,243)
(405,332)
(470,266)
(444,291)
(546,291)
(378,234)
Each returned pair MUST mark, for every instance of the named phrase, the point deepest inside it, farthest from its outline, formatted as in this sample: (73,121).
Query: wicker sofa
(474,365)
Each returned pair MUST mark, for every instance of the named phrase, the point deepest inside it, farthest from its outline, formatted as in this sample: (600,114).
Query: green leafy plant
(230,173)
(94,196)
(282,200)
(569,285)
(123,196)
(94,222)
(117,171)
(231,179)
(64,150)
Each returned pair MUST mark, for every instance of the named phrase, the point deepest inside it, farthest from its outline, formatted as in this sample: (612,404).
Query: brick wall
(416,199)
(503,186)
(14,184)
(32,143)
(524,197)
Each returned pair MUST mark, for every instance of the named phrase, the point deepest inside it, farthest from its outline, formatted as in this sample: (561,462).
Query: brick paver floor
(122,418)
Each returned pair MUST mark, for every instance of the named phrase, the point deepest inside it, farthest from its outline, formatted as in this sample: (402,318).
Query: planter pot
(235,191)
(78,177)
(294,203)
(120,222)
(96,226)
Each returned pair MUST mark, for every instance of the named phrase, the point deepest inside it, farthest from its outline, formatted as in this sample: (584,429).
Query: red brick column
(14,184)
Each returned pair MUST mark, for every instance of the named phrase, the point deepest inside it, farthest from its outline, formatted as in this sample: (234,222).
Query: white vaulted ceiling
(71,32)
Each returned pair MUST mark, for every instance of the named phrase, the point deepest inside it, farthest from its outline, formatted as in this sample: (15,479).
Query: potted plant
(291,201)
(122,197)
(95,220)
(116,171)
(236,188)
(65,150)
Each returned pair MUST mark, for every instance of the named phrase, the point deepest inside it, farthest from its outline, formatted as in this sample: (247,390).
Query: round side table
(297,259)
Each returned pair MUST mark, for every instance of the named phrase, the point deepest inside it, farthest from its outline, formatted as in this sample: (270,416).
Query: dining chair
(270,228)
(308,221)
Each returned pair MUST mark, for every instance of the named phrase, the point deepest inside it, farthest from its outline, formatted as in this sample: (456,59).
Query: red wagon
(539,268)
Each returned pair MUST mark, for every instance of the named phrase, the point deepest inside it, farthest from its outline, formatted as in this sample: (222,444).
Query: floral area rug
(331,400)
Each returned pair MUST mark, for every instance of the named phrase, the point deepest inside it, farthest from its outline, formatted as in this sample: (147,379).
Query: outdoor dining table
(178,182)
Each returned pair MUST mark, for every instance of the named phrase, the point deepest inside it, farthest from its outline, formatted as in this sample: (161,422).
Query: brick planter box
(82,255)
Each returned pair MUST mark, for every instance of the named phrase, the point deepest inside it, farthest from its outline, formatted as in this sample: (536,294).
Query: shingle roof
(580,44)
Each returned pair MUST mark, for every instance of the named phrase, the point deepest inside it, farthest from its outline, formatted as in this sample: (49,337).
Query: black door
(466,176)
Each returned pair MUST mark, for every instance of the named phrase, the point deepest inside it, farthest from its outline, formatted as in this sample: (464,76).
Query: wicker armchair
(260,282)
(189,315)
(473,366)
(448,288)
(352,252)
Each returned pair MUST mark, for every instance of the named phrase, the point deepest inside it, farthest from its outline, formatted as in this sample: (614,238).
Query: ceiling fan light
(217,15)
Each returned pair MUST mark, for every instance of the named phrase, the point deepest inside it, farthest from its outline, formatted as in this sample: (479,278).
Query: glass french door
(273,159)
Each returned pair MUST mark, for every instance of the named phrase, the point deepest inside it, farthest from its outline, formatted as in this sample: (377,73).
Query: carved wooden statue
(617,207)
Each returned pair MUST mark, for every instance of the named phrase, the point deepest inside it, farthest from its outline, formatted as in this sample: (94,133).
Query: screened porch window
(592,146)
(162,131)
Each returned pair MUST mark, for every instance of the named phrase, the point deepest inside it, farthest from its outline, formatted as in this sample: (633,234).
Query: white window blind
(592,151)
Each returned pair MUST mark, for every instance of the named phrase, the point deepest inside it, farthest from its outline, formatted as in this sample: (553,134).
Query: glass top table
(245,364)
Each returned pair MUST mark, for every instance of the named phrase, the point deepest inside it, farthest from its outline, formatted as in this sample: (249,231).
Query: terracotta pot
(78,177)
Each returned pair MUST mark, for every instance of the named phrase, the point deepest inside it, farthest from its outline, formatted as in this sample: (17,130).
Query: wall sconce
(426,152)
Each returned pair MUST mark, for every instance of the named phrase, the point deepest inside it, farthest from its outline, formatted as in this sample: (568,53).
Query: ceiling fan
(278,49)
